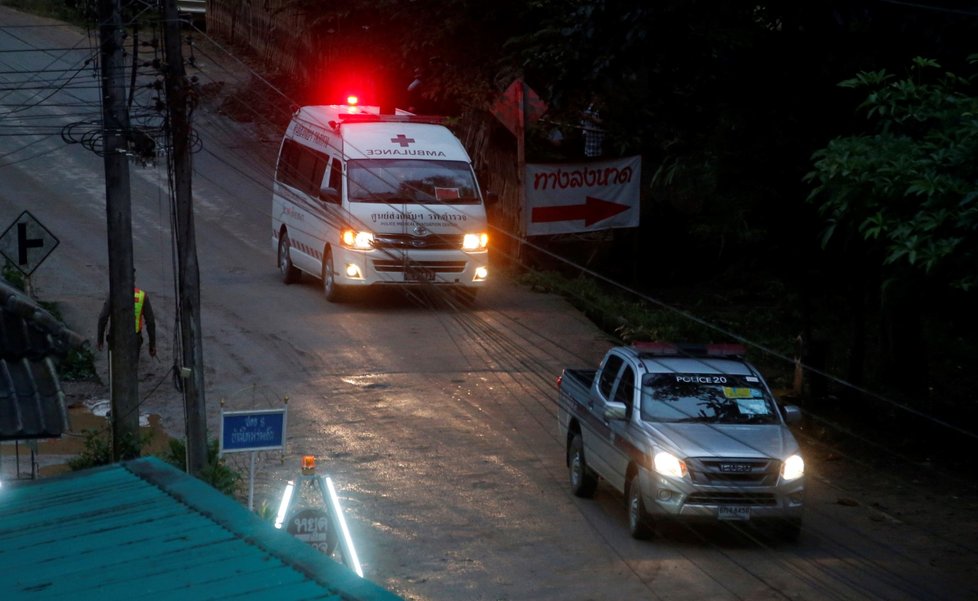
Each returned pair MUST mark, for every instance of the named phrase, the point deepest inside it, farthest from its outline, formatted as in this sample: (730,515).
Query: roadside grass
(730,314)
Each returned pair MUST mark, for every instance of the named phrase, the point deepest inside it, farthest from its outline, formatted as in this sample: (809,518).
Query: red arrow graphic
(592,211)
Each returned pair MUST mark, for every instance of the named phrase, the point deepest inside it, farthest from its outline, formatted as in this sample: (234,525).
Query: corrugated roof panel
(31,399)
(145,529)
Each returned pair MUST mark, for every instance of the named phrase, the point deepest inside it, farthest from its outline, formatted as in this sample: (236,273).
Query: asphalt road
(437,422)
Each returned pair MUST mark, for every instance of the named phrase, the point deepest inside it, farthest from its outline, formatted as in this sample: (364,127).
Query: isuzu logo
(736,468)
(420,230)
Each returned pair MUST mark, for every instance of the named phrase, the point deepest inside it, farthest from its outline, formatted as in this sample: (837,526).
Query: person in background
(593,134)
(144,319)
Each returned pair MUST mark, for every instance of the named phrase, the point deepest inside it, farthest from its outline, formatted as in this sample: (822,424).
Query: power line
(482,334)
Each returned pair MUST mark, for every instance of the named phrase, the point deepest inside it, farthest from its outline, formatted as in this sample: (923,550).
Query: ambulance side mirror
(491,198)
(327,194)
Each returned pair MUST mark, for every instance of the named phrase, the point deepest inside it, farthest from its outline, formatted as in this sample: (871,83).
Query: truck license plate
(733,512)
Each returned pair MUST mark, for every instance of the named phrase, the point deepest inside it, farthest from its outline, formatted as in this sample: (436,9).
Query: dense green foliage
(64,10)
(730,105)
(725,100)
(910,189)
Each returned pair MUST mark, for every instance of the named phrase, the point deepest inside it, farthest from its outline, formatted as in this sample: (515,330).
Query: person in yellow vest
(144,320)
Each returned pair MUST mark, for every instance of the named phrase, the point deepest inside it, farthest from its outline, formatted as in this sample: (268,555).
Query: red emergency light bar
(691,350)
(372,118)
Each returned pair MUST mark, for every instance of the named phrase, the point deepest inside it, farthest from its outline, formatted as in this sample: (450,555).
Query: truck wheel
(290,273)
(331,289)
(639,521)
(582,480)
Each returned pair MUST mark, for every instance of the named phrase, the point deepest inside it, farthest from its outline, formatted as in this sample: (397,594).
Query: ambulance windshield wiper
(389,198)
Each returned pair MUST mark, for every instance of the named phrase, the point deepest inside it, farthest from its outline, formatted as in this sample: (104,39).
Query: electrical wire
(497,335)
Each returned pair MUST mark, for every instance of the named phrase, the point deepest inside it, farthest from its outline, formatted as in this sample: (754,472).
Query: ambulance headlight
(358,240)
(475,241)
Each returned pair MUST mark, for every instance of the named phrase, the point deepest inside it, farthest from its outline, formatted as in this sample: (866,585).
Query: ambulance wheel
(332,290)
(290,273)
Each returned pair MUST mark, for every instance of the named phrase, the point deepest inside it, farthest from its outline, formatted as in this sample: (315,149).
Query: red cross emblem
(403,140)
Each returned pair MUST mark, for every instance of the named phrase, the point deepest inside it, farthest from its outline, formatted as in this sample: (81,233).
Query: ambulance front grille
(408,241)
(395,266)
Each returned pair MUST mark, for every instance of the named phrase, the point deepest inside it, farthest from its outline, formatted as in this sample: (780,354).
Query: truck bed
(575,385)
(574,398)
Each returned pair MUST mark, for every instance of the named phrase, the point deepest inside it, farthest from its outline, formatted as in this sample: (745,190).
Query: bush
(13,276)
(218,474)
(98,449)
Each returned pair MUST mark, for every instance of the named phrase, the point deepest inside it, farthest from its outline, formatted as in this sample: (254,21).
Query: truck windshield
(411,181)
(708,398)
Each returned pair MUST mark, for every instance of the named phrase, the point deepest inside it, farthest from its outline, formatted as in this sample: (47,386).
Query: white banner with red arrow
(564,198)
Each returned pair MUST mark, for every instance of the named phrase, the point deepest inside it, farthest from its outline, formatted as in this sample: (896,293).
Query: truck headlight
(475,241)
(668,464)
(358,240)
(793,468)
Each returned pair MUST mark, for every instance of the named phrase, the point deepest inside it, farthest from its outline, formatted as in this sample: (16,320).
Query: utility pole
(188,274)
(123,356)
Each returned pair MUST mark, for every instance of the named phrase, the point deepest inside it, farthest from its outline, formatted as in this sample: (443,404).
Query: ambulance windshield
(411,181)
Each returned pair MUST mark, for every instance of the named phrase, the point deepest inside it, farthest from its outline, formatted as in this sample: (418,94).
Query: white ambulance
(362,198)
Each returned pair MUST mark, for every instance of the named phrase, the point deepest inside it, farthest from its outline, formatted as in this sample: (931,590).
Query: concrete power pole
(188,275)
(123,379)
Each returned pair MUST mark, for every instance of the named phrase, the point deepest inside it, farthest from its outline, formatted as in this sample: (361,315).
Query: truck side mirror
(792,414)
(328,194)
(613,410)
(491,198)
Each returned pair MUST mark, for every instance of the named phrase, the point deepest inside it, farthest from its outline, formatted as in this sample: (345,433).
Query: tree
(907,191)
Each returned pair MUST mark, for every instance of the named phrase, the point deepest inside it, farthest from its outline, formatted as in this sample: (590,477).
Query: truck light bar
(724,349)
(656,348)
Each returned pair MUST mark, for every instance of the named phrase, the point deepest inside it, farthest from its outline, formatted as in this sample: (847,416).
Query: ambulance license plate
(733,512)
(418,274)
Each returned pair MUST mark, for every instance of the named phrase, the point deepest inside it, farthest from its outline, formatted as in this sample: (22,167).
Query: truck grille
(409,241)
(731,498)
(732,471)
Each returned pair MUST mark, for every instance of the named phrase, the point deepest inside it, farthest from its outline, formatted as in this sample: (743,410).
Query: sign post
(252,431)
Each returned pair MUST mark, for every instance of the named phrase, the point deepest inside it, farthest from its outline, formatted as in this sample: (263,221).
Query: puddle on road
(367,382)
(103,408)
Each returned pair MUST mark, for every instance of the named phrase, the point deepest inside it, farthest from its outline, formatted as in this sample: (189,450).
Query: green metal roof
(143,529)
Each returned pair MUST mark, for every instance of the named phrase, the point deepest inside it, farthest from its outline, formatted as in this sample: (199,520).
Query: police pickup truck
(684,432)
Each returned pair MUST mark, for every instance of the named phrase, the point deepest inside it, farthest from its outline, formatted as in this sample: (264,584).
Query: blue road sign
(262,430)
